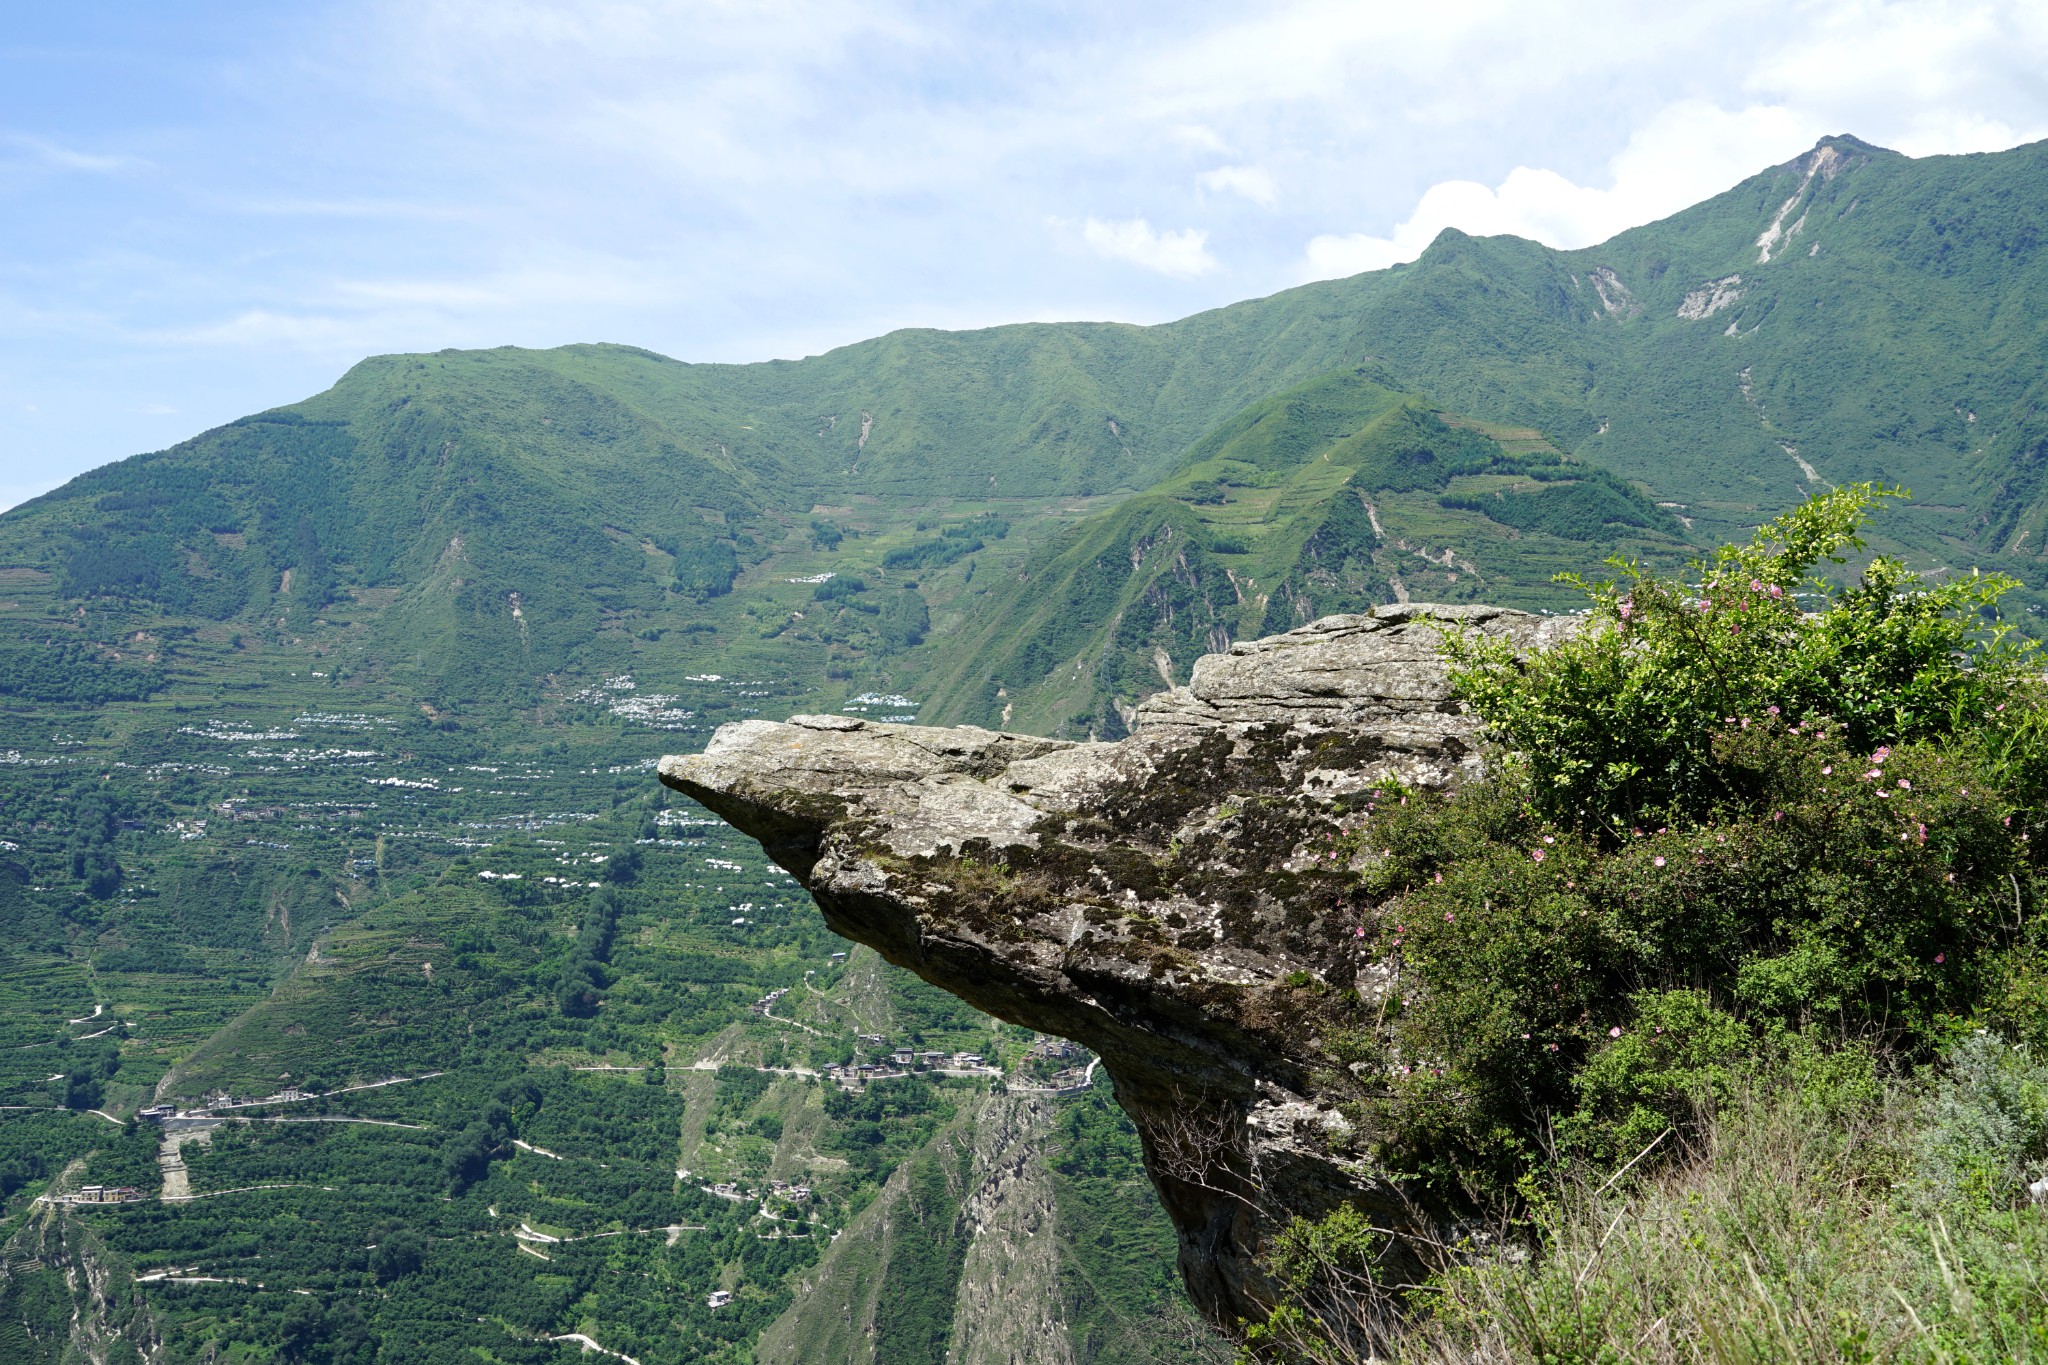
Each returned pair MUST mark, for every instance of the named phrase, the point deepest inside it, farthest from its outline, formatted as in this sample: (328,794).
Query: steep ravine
(983,1196)
(1163,900)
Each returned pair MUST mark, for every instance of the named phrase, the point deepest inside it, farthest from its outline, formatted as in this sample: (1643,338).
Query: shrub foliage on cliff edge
(1751,828)
(1625,724)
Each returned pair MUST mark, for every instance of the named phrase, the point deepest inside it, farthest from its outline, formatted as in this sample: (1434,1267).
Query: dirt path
(588,1346)
(339,1090)
(246,1189)
(330,1118)
(171,1161)
(780,1020)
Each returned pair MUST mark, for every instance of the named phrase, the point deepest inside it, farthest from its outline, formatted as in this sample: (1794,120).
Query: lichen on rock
(1167,900)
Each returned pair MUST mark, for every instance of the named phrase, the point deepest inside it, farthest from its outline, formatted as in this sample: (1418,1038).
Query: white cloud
(67,158)
(1183,254)
(1200,138)
(432,293)
(730,180)
(157,410)
(1923,77)
(1686,153)
(270,329)
(1253,182)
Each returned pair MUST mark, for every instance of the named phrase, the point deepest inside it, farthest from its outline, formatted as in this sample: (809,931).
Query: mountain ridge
(329,729)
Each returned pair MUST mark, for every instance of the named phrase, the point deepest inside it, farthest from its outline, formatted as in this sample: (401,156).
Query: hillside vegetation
(498,518)
(1332,496)
(276,699)
(1754,871)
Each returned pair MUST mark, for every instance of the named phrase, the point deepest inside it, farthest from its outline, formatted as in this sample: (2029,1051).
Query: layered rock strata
(1166,900)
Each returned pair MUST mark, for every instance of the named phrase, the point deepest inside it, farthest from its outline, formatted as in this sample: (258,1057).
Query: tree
(82,1090)
(1617,727)
(398,1255)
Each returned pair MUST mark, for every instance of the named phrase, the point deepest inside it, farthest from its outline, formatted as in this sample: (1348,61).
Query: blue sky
(213,208)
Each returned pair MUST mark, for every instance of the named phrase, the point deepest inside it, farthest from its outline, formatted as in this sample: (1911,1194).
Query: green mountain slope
(276,698)
(1850,314)
(1332,496)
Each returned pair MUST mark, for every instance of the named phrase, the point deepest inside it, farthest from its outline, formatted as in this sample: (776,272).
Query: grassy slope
(1328,497)
(360,554)
(575,478)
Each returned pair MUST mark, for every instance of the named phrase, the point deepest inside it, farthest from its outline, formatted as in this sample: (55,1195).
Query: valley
(327,748)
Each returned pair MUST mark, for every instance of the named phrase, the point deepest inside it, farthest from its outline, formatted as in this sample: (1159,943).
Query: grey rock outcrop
(1163,900)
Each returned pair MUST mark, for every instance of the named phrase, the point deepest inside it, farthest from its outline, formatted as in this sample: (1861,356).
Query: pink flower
(1940,958)
(1777,591)
(1537,855)
(1904,785)
(1550,838)
(1883,752)
(1439,879)
(1614,1033)
(1359,932)
(1874,772)
(1657,861)
(1706,604)
(1755,586)
(1772,709)
(1626,608)
(1449,918)
(1525,1037)
(1826,768)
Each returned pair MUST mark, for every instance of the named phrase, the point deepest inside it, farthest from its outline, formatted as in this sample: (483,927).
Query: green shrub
(1805,841)
(1983,1126)
(1595,506)
(1617,726)
(838,587)
(1684,1054)
(931,554)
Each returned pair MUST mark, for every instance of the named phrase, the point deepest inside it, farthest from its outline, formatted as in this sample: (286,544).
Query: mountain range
(279,697)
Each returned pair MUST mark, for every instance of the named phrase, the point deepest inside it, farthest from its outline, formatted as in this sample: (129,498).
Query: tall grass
(1898,1230)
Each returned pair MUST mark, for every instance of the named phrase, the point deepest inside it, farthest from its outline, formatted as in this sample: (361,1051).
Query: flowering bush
(1728,830)
(1617,727)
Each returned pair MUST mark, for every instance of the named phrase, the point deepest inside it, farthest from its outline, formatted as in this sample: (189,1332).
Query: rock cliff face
(1164,900)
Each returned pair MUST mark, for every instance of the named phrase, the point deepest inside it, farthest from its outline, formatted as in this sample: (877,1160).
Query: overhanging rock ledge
(1162,900)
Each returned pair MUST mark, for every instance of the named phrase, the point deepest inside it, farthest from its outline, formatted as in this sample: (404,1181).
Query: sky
(213,208)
